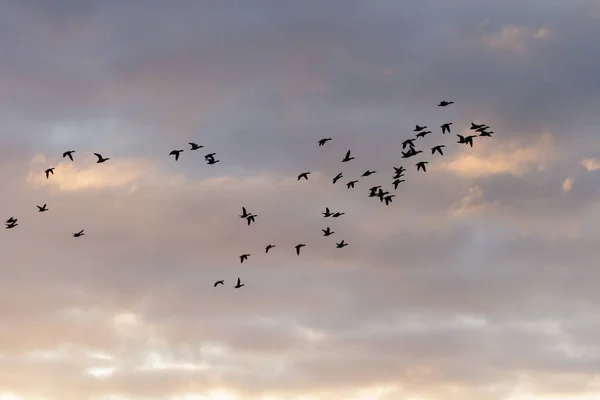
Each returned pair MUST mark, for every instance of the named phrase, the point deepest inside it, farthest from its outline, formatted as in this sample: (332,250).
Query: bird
(239,284)
(245,214)
(212,161)
(337,214)
(475,126)
(482,128)
(250,218)
(487,134)
(175,153)
(381,194)
(438,149)
(421,165)
(48,172)
(78,234)
(298,247)
(419,128)
(398,172)
(368,173)
(373,191)
(42,208)
(195,146)
(323,141)
(100,158)
(11,225)
(337,178)
(397,182)
(388,199)
(244,257)
(269,247)
(303,175)
(466,140)
(327,232)
(219,283)
(411,153)
(446,128)
(341,244)
(347,157)
(327,213)
(408,142)
(351,184)
(209,156)
(11,220)
(69,154)
(445,103)
(423,134)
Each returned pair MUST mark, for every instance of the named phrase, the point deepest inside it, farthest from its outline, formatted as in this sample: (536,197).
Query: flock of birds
(408,150)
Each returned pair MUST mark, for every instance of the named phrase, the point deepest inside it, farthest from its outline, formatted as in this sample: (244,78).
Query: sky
(479,281)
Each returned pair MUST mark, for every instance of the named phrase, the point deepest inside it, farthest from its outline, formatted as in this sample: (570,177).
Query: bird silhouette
(408,142)
(11,220)
(337,214)
(327,213)
(398,172)
(78,234)
(341,244)
(419,128)
(303,175)
(466,140)
(422,134)
(411,153)
(397,182)
(218,283)
(482,129)
(421,165)
(100,158)
(381,194)
(445,103)
(373,191)
(42,208)
(323,141)
(11,225)
(250,218)
(487,134)
(175,153)
(245,214)
(368,173)
(351,184)
(475,126)
(446,128)
(388,199)
(48,172)
(337,178)
(195,146)
(438,149)
(298,247)
(212,161)
(239,284)
(244,257)
(209,156)
(269,247)
(347,157)
(69,154)
(327,232)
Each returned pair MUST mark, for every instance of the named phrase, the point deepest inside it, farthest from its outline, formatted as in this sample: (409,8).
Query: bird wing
(348,154)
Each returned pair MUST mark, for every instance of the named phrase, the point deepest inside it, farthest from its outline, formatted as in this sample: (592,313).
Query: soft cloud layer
(478,282)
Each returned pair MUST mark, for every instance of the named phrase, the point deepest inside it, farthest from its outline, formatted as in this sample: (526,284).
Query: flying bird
(421,165)
(351,184)
(327,232)
(381,194)
(487,134)
(446,128)
(244,257)
(408,142)
(250,218)
(337,178)
(411,153)
(341,244)
(11,225)
(212,161)
(482,128)
(48,172)
(373,191)
(466,140)
(78,234)
(195,146)
(11,220)
(475,126)
(327,213)
(239,284)
(419,128)
(209,156)
(388,199)
(298,247)
(337,214)
(368,173)
(175,153)
(438,149)
(269,247)
(219,283)
(445,103)
(323,141)
(347,157)
(245,214)
(42,208)
(303,175)
(396,183)
(69,154)
(100,158)
(423,134)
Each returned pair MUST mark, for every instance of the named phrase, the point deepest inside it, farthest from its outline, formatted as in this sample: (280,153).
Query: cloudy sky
(479,282)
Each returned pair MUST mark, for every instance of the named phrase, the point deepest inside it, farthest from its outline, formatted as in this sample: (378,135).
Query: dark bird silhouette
(411,153)
(11,225)
(245,214)
(218,283)
(327,232)
(399,171)
(298,247)
(368,173)
(445,103)
(303,175)
(347,157)
(327,213)
(100,158)
(409,142)
(250,218)
(421,165)
(341,244)
(397,182)
(212,161)
(195,146)
(42,208)
(323,141)
(337,178)
(423,134)
(48,172)
(438,149)
(351,184)
(373,191)
(487,134)
(337,214)
(381,194)
(175,153)
(269,247)
(239,284)
(209,156)
(446,128)
(388,199)
(244,257)
(419,128)
(69,154)
(78,234)
(475,126)
(11,220)
(466,140)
